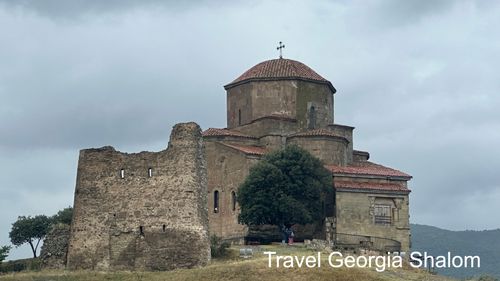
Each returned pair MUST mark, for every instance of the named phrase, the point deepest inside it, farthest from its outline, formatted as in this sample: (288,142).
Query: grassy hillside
(235,268)
(438,241)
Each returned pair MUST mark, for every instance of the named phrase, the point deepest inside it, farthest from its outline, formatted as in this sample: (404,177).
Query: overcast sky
(418,79)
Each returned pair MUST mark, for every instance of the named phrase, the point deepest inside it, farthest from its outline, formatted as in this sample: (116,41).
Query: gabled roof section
(280,69)
(247,149)
(367,168)
(316,133)
(225,133)
(369,186)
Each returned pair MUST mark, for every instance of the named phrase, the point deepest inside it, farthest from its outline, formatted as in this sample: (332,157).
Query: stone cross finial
(280,47)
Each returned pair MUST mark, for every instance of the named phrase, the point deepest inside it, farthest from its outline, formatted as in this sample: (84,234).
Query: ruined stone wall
(355,215)
(144,211)
(55,247)
(227,169)
(330,150)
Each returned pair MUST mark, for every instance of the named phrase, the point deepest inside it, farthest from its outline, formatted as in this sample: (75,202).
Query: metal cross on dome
(280,48)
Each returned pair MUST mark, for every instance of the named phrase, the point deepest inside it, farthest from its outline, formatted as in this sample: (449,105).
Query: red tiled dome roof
(280,69)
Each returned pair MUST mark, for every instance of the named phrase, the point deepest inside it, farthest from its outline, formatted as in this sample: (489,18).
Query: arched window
(150,172)
(233,200)
(216,201)
(312,117)
(122,173)
(239,117)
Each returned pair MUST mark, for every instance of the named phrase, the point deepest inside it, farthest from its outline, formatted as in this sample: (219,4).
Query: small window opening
(150,172)
(122,173)
(164,228)
(239,117)
(233,200)
(383,214)
(312,117)
(216,201)
(141,230)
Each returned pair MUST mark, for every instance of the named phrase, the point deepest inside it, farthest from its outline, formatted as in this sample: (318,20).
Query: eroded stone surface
(144,211)
(55,247)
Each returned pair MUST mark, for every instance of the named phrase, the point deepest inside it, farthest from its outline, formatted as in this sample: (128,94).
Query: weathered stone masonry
(150,210)
(145,211)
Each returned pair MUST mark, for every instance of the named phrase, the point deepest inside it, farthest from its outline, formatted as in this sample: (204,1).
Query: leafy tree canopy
(285,187)
(30,230)
(4,252)
(64,216)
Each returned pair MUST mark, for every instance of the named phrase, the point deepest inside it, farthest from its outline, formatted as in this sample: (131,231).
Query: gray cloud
(80,8)
(419,82)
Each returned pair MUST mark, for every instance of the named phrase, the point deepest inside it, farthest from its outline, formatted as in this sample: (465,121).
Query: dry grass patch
(235,268)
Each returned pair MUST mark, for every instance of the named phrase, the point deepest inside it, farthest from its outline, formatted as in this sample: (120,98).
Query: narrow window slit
(216,201)
(150,172)
(122,173)
(233,199)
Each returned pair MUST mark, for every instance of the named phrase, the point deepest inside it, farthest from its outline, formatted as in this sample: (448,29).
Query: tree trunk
(32,248)
(37,243)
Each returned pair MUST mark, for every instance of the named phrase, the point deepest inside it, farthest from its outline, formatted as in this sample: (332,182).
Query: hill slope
(238,269)
(438,241)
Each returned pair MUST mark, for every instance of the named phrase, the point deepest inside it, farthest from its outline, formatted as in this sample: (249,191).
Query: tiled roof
(370,186)
(224,132)
(278,69)
(367,168)
(317,132)
(251,150)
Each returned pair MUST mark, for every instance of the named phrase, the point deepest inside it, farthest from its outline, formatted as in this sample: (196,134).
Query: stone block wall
(288,98)
(258,99)
(355,215)
(318,95)
(346,132)
(269,126)
(143,211)
(330,150)
(227,169)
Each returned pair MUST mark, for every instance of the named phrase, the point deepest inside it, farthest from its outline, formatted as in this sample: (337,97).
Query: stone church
(282,101)
(156,210)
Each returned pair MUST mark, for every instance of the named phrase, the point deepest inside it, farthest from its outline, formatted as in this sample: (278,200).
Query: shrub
(218,248)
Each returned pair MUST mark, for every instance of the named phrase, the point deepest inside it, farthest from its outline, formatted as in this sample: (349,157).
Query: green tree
(64,216)
(284,188)
(30,230)
(4,252)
